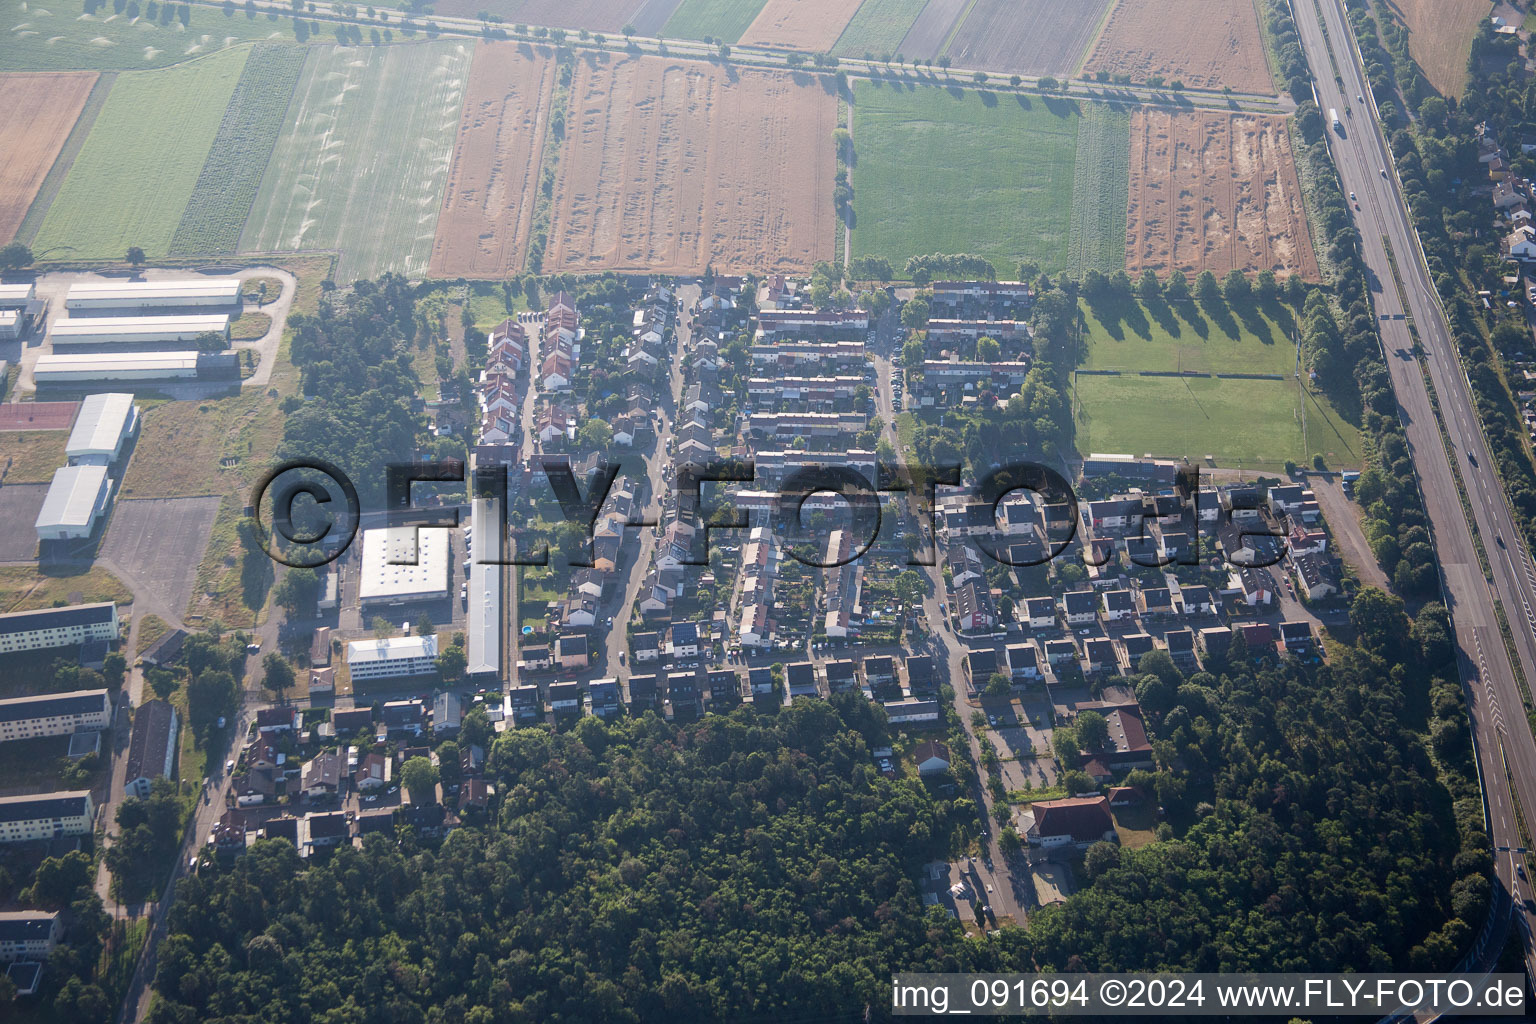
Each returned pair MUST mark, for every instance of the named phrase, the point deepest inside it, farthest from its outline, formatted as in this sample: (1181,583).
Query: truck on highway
(1333,116)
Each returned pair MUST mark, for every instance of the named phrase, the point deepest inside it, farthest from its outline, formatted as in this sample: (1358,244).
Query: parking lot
(158,543)
(19,505)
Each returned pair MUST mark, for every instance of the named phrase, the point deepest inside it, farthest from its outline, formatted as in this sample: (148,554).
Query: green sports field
(878,27)
(951,170)
(122,36)
(1255,422)
(718,19)
(363,158)
(131,181)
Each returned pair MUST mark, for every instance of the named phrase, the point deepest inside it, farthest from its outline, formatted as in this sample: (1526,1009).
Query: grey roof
(100,424)
(25,925)
(62,804)
(56,618)
(51,705)
(153,733)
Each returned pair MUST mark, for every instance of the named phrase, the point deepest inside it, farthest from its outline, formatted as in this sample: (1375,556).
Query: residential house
(1118,605)
(527,705)
(683,640)
(974,609)
(1316,576)
(800,680)
(879,670)
(1039,613)
(374,772)
(1080,821)
(931,757)
(913,711)
(603,698)
(1080,607)
(922,676)
(322,776)
(841,674)
(1132,647)
(571,651)
(1099,656)
(1023,662)
(1181,647)
(565,698)
(646,646)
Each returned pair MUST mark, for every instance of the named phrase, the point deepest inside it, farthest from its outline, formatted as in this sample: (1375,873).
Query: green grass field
(878,27)
(717,19)
(215,215)
(121,36)
(958,171)
(363,158)
(1099,187)
(1255,422)
(131,181)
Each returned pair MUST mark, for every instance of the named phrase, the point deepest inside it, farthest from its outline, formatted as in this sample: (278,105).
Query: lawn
(718,19)
(1099,188)
(132,178)
(1129,336)
(878,27)
(118,36)
(363,158)
(24,588)
(32,457)
(954,170)
(215,215)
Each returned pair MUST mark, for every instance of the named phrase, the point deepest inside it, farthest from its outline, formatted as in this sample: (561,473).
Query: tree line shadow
(1120,310)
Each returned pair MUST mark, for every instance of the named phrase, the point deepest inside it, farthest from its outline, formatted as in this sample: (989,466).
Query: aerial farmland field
(131,181)
(1214,191)
(40,111)
(488,203)
(1206,44)
(878,27)
(362,161)
(716,19)
(595,15)
(1099,183)
(800,24)
(1440,36)
(215,215)
(50,37)
(932,29)
(959,151)
(673,165)
(1032,37)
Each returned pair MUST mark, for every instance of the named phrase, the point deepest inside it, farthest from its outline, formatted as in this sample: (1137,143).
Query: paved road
(1498,722)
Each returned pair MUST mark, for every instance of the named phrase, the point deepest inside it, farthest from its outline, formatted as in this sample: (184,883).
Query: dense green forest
(749,866)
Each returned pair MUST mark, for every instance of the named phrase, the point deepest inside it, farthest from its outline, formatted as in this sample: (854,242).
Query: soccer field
(132,179)
(363,158)
(960,171)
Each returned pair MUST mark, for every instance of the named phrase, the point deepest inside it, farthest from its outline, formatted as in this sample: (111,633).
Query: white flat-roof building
(17,296)
(77,499)
(153,294)
(45,815)
(385,580)
(79,367)
(29,934)
(58,627)
(102,426)
(136,330)
(483,628)
(10,324)
(54,714)
(396,656)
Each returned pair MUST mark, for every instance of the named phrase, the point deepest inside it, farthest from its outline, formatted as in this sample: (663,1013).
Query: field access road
(1498,721)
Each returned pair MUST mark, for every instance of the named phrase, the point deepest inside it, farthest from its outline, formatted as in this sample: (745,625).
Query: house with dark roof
(974,609)
(931,757)
(322,776)
(1080,821)
(603,698)
(350,720)
(643,693)
(879,670)
(800,680)
(1099,656)
(647,646)
(527,706)
(842,675)
(1132,647)
(565,698)
(1080,607)
(54,714)
(980,663)
(151,747)
(29,934)
(921,675)
(1181,646)
(323,831)
(1118,604)
(1296,638)
(1023,662)
(1039,613)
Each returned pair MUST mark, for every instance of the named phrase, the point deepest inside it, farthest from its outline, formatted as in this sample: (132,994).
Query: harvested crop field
(1214,191)
(488,203)
(40,111)
(878,27)
(932,29)
(800,24)
(1206,44)
(597,15)
(1440,36)
(669,166)
(1032,37)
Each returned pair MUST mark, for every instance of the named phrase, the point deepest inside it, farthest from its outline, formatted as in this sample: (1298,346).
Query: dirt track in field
(1213,191)
(812,25)
(40,109)
(487,214)
(1206,44)
(672,165)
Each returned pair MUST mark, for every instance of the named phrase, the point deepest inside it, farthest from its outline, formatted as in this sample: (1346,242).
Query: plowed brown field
(800,24)
(488,205)
(672,165)
(1213,191)
(1206,44)
(40,109)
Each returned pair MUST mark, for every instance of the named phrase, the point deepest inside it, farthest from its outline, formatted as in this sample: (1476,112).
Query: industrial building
(394,657)
(29,934)
(152,748)
(137,330)
(54,714)
(78,367)
(386,581)
(58,627)
(144,295)
(103,425)
(483,628)
(10,324)
(77,499)
(46,816)
(17,296)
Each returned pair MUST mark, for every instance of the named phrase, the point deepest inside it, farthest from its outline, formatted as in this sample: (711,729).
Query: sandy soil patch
(488,204)
(1206,44)
(40,109)
(812,25)
(671,165)
(1213,191)
(1440,36)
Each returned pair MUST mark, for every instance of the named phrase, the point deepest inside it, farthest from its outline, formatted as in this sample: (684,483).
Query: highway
(1499,726)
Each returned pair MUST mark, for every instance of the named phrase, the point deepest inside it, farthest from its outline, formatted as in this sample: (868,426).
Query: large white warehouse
(385,580)
(76,501)
(57,368)
(152,294)
(103,425)
(16,296)
(137,330)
